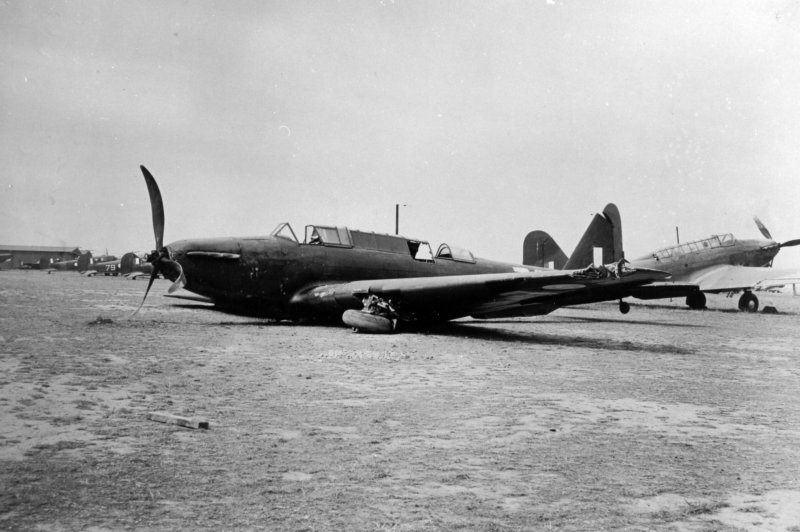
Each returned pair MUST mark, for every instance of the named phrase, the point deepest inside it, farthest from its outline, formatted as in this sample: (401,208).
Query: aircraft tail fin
(84,261)
(604,232)
(539,249)
(127,262)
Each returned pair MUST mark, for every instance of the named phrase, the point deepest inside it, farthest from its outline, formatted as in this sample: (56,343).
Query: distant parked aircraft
(78,264)
(718,264)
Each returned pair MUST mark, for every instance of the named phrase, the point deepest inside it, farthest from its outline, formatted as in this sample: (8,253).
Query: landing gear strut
(696,301)
(748,302)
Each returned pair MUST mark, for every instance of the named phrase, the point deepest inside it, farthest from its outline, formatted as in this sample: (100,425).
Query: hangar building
(14,257)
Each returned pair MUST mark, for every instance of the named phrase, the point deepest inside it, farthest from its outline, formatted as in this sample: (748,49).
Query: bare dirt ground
(661,419)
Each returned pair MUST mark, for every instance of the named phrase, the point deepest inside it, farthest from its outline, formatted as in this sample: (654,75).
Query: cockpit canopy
(320,235)
(715,241)
(446,251)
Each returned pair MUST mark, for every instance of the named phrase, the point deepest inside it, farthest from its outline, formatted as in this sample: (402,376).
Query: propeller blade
(159,258)
(149,284)
(180,282)
(157,206)
(762,228)
(790,243)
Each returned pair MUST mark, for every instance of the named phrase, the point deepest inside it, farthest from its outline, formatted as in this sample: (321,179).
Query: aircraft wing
(663,290)
(528,293)
(726,278)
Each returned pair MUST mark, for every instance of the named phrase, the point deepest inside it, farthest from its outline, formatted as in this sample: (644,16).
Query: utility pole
(677,235)
(397,217)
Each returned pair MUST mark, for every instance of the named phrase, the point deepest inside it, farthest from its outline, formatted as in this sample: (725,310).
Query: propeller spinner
(159,258)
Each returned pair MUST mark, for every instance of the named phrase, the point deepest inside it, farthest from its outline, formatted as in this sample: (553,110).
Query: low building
(34,257)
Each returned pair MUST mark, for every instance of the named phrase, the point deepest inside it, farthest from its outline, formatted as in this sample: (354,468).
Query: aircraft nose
(771,247)
(176,251)
(172,268)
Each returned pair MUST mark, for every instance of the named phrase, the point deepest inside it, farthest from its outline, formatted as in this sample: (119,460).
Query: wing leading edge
(727,278)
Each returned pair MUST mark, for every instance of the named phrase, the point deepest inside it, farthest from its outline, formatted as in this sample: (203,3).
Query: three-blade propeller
(767,235)
(159,258)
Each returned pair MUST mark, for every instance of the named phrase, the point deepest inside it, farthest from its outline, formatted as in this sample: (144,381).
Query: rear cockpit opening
(420,250)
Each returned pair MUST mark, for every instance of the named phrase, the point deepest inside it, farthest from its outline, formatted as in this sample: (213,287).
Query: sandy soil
(661,419)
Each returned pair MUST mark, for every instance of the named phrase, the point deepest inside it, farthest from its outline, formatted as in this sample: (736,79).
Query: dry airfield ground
(663,419)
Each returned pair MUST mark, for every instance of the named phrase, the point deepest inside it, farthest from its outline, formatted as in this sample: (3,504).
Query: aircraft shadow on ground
(255,320)
(482,330)
(561,319)
(477,330)
(634,322)
(732,310)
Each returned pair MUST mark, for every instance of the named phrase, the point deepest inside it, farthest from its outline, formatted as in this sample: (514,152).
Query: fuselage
(264,274)
(684,259)
(81,263)
(106,265)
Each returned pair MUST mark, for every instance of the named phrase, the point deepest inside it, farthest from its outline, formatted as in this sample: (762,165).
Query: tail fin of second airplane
(604,233)
(127,262)
(539,249)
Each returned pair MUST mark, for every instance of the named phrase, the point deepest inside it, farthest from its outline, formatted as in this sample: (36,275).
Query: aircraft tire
(696,301)
(367,323)
(748,302)
(624,307)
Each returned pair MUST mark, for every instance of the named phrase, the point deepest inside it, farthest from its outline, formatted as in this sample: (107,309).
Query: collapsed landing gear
(365,322)
(377,316)
(696,301)
(748,302)
(624,306)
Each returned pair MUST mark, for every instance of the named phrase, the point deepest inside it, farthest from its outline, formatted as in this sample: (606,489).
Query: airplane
(81,263)
(130,264)
(372,282)
(718,264)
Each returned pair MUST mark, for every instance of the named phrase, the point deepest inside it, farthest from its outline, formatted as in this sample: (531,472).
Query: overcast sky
(484,119)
